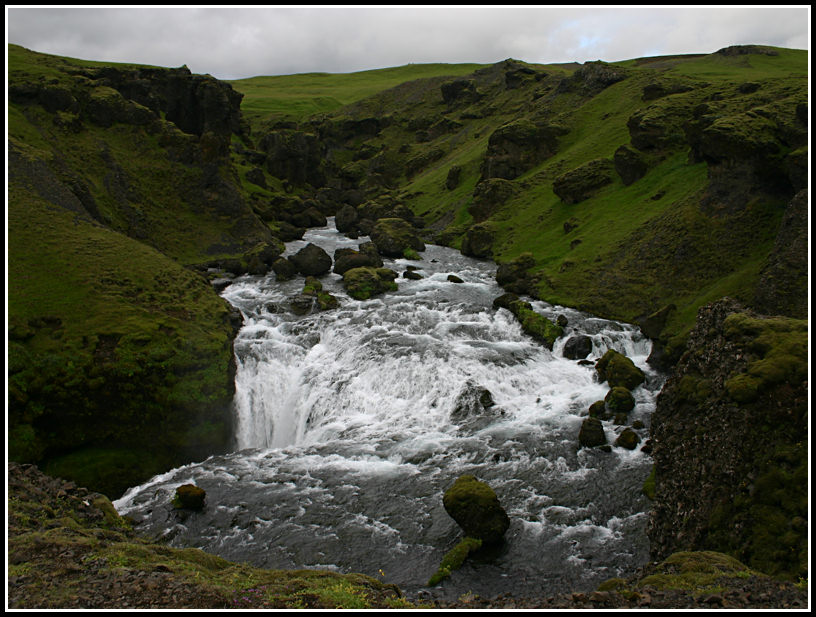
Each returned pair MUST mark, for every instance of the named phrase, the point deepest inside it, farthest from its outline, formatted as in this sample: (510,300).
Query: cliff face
(120,359)
(730,442)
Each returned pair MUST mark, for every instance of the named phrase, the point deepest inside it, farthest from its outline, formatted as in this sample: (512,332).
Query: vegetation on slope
(120,360)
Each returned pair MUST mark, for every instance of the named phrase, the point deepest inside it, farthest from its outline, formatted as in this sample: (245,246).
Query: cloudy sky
(236,42)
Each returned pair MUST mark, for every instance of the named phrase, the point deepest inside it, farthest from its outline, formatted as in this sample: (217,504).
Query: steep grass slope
(120,359)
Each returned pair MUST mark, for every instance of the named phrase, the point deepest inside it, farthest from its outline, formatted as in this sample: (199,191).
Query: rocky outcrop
(478,242)
(783,282)
(294,156)
(629,164)
(730,442)
(584,181)
(489,195)
(517,147)
(189,497)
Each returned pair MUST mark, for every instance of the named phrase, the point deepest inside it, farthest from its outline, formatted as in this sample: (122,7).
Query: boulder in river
(591,433)
(619,400)
(392,236)
(363,283)
(311,260)
(577,347)
(189,497)
(618,370)
(476,509)
(628,439)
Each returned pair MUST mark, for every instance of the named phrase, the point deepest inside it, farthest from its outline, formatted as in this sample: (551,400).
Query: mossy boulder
(311,260)
(618,370)
(536,325)
(476,509)
(584,181)
(392,236)
(189,497)
(592,433)
(628,439)
(346,219)
(454,559)
(619,400)
(489,196)
(363,283)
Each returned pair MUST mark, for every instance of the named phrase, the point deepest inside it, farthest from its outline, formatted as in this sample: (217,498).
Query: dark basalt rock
(629,164)
(628,439)
(729,442)
(577,347)
(311,260)
(454,279)
(346,219)
(284,269)
(591,433)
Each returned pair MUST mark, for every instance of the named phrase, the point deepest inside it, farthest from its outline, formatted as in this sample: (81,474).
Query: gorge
(667,193)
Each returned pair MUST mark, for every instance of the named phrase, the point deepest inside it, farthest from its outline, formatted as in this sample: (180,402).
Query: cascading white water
(347,437)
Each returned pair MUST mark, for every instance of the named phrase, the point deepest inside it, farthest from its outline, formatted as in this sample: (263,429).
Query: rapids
(345,444)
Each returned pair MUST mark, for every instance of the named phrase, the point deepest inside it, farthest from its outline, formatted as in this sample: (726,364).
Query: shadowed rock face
(730,449)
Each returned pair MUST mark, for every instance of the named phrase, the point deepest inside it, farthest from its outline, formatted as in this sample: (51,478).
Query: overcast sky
(237,42)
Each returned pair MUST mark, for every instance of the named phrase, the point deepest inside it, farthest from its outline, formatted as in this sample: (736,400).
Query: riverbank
(69,549)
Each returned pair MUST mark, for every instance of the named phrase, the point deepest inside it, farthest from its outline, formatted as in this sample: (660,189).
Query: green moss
(778,353)
(649,484)
(619,371)
(700,572)
(619,400)
(454,559)
(539,327)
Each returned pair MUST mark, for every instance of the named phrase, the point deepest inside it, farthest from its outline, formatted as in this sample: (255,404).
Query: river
(345,438)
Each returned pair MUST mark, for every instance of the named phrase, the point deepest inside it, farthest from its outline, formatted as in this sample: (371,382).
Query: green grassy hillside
(720,138)
(274,98)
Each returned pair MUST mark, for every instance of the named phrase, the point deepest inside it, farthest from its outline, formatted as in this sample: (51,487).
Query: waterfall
(350,424)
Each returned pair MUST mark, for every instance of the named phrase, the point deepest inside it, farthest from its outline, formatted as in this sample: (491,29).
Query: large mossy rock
(629,164)
(539,327)
(584,181)
(393,235)
(592,433)
(618,370)
(363,283)
(311,260)
(619,400)
(476,509)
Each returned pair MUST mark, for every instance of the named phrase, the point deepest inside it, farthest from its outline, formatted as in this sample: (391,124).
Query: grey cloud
(242,42)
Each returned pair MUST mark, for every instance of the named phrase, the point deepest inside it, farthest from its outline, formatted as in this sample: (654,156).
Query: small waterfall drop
(350,425)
